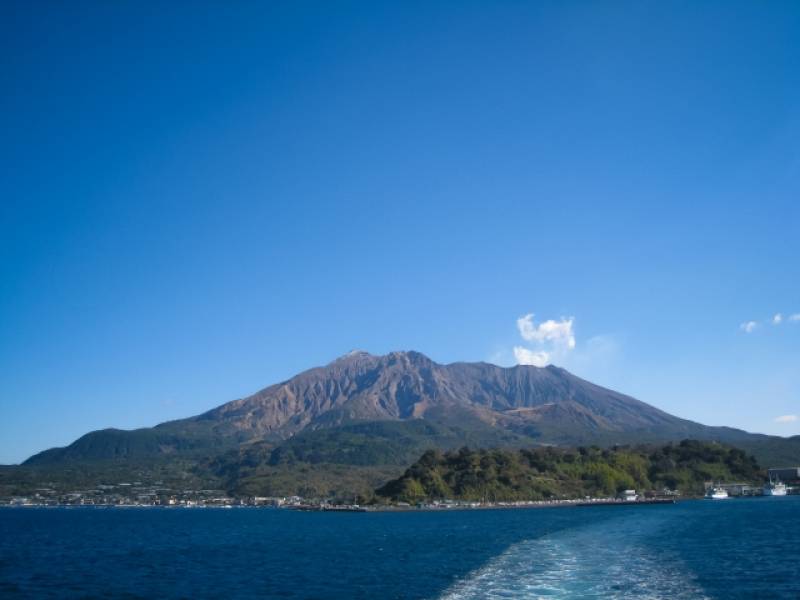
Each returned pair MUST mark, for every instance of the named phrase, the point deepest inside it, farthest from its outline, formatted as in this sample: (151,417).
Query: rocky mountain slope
(311,417)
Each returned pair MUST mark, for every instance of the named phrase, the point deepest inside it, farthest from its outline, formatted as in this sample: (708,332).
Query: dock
(610,502)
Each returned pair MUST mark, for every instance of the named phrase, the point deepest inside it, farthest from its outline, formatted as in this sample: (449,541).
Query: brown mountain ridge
(367,409)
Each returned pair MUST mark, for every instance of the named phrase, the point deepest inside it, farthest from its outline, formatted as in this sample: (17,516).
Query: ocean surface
(739,548)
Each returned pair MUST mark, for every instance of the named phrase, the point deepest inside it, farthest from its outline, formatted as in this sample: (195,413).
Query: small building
(740,489)
(628,495)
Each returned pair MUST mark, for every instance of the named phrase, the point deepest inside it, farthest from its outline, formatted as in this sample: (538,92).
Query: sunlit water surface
(725,549)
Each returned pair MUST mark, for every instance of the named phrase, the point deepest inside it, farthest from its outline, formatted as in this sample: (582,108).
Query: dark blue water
(729,549)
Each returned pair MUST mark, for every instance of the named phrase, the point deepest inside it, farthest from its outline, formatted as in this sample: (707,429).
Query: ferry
(717,493)
(774,488)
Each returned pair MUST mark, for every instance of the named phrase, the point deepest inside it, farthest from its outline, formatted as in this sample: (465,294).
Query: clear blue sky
(198,200)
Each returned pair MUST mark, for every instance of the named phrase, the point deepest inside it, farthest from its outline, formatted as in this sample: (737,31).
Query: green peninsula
(550,473)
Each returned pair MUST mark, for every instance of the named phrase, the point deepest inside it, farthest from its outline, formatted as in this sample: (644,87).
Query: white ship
(717,493)
(774,488)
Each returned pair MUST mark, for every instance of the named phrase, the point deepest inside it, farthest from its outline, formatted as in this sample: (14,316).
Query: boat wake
(618,558)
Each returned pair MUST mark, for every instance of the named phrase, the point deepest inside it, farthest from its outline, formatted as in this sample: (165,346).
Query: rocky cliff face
(409,385)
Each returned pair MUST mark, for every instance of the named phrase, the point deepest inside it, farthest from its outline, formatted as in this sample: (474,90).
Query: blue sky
(198,200)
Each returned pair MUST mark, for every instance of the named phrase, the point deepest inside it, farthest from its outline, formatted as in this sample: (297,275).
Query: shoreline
(336,508)
(389,508)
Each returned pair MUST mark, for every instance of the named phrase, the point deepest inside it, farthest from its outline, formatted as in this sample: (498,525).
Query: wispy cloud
(526,356)
(558,332)
(748,326)
(546,341)
(786,419)
(776,319)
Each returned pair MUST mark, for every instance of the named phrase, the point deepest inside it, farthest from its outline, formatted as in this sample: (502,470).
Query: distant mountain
(363,409)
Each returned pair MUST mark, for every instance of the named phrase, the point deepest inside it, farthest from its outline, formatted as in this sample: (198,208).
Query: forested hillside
(550,472)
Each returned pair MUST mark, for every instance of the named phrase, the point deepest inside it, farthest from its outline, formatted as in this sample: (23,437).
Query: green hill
(549,472)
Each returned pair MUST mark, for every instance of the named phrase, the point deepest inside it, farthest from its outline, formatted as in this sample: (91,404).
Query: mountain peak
(353,355)
(412,356)
(540,405)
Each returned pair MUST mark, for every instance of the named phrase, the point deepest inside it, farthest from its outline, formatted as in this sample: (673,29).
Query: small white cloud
(748,326)
(786,419)
(558,332)
(777,319)
(537,358)
(795,317)
(547,341)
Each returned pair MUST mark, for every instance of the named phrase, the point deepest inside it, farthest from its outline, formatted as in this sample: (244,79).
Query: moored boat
(717,493)
(774,488)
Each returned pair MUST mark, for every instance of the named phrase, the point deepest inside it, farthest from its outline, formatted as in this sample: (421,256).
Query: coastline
(368,508)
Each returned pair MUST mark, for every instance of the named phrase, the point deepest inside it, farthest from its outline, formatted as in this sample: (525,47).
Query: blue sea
(739,548)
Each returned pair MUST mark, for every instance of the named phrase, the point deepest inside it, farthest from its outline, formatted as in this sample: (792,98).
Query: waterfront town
(138,494)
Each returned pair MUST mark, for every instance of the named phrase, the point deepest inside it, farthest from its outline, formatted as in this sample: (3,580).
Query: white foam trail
(598,561)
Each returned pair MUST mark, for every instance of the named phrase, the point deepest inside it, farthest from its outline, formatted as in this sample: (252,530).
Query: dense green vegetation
(176,438)
(321,480)
(174,473)
(549,472)
(344,462)
(771,451)
(355,458)
(371,443)
(347,483)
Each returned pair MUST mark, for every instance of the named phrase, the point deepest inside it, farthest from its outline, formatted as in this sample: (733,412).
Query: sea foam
(611,559)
